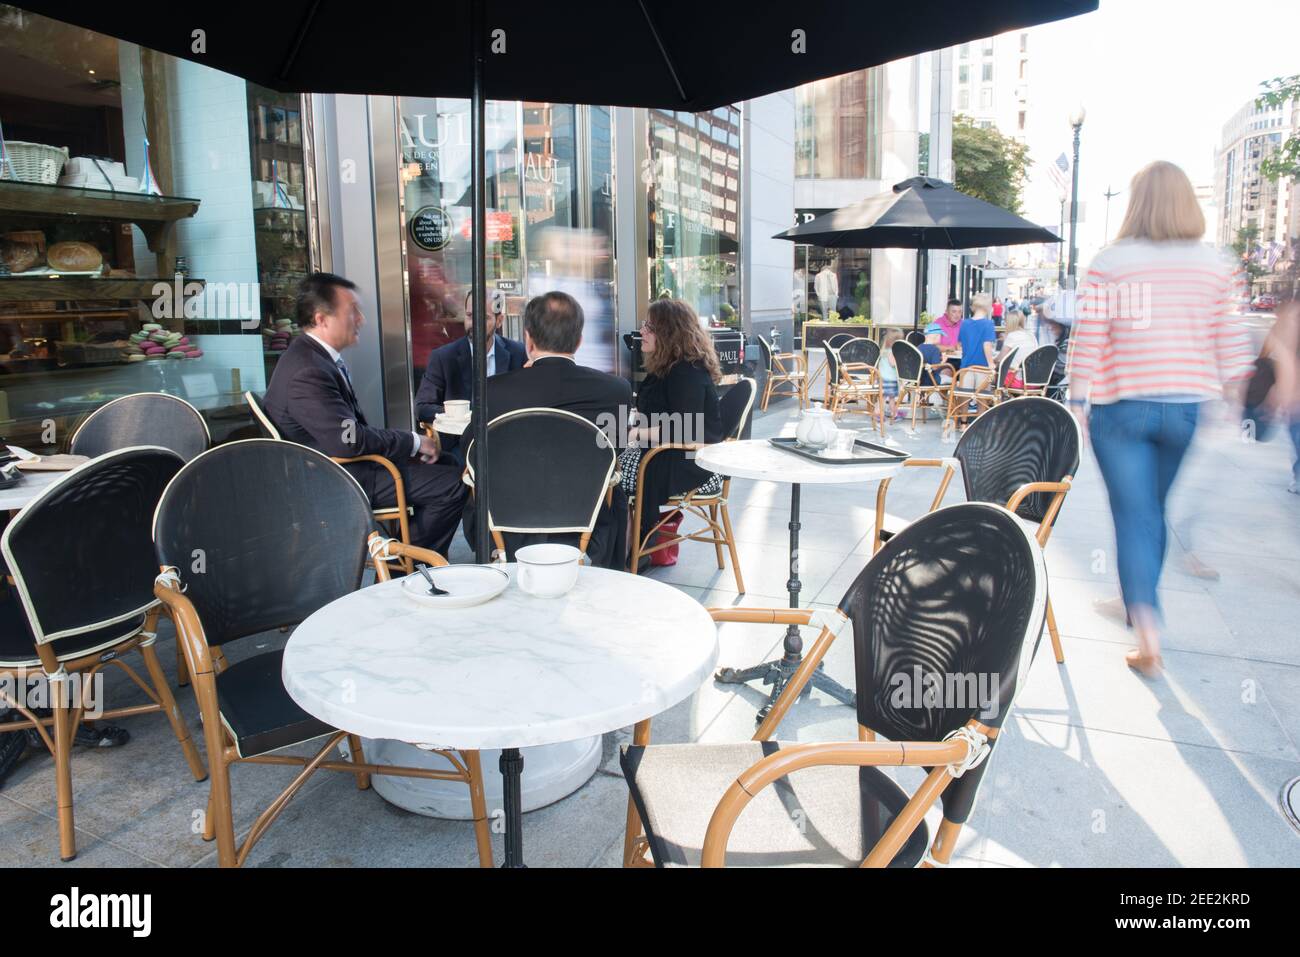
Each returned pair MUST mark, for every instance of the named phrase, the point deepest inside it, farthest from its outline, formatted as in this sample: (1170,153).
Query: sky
(1158,79)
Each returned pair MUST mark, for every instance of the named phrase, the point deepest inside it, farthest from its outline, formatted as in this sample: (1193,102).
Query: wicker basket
(35,162)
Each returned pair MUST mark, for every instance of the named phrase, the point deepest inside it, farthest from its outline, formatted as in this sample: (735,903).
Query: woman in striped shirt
(1155,337)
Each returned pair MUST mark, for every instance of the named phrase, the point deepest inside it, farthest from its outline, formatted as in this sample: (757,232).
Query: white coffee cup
(456,408)
(547,570)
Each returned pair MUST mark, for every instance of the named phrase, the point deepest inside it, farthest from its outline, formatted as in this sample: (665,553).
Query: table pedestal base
(778,672)
(554,772)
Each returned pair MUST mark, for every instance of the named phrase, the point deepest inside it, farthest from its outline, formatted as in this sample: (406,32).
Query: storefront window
(830,280)
(694,197)
(837,127)
(549,216)
(94,232)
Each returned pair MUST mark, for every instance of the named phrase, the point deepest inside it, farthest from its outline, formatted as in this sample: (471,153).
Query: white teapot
(816,428)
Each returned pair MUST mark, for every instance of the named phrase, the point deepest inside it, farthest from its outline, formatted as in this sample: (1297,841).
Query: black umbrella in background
(672,54)
(919,213)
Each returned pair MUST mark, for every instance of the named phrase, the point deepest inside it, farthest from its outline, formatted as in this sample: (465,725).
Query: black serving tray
(864,453)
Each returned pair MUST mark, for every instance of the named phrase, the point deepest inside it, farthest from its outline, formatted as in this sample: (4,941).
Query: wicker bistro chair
(974,391)
(833,344)
(737,408)
(396,517)
(794,375)
(1035,372)
(915,337)
(309,527)
(955,602)
(145,418)
(553,472)
(856,379)
(82,563)
(1023,452)
(912,373)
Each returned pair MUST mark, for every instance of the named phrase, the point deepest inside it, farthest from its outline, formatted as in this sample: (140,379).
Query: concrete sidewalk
(1098,766)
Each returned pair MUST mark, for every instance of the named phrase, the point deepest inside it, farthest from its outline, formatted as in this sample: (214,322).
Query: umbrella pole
(478,273)
(922,262)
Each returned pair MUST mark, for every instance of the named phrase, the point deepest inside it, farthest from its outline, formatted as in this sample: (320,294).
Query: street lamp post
(1076,121)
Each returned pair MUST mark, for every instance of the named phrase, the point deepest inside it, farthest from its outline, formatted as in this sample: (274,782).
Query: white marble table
(515,672)
(758,459)
(32,484)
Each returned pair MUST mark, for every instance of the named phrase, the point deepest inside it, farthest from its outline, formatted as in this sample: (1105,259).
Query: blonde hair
(1162,206)
(892,336)
(1014,320)
(982,302)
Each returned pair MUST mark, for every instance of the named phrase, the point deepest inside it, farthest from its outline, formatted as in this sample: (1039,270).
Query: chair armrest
(1031,488)
(949,465)
(189,627)
(950,758)
(764,616)
(426,428)
(384,550)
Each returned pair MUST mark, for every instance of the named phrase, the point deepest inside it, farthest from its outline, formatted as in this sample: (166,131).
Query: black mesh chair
(550,473)
(145,418)
(1024,453)
(783,369)
(833,342)
(915,337)
(1035,373)
(975,390)
(269,561)
(853,379)
(945,620)
(737,409)
(397,516)
(83,567)
(918,381)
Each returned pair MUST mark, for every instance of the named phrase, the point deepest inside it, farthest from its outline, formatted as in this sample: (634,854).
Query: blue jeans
(1139,446)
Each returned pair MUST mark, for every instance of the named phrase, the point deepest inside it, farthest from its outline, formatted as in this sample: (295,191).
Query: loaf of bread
(74,257)
(19,257)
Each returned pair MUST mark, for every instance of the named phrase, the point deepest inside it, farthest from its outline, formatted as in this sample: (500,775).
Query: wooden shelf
(72,288)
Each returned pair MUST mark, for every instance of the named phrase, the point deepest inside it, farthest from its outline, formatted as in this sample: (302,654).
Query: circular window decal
(430,228)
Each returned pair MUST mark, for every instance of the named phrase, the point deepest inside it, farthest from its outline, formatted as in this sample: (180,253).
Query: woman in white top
(1017,340)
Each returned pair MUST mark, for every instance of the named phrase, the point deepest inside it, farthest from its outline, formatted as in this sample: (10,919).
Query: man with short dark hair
(311,401)
(552,379)
(450,370)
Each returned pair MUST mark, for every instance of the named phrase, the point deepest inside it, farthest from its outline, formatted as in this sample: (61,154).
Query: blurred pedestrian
(1155,337)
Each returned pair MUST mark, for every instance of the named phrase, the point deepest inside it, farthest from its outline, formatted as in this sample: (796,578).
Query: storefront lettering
(543,169)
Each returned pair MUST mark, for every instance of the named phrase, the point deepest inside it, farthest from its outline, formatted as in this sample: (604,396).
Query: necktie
(346,378)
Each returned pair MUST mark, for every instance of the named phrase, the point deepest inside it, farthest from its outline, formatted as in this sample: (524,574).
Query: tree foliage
(987,164)
(1285,162)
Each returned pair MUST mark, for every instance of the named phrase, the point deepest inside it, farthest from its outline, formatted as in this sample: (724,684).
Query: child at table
(888,373)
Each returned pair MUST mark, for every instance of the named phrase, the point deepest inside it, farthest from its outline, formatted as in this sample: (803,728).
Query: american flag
(1060,173)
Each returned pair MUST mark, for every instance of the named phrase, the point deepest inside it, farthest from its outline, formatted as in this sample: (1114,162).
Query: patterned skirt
(629,466)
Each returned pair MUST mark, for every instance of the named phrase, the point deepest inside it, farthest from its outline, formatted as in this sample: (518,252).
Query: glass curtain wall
(693,188)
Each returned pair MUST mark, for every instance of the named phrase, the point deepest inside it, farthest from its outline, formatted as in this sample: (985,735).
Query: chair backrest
(262,534)
(1005,365)
(838,339)
(916,337)
(1037,368)
(766,348)
(549,471)
(1029,439)
(265,427)
(832,361)
(80,552)
(145,418)
(736,408)
(860,350)
(946,619)
(907,360)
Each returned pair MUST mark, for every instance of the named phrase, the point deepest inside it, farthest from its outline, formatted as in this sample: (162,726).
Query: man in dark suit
(311,401)
(553,380)
(450,370)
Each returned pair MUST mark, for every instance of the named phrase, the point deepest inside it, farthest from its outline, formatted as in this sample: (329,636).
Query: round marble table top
(515,672)
(33,483)
(759,459)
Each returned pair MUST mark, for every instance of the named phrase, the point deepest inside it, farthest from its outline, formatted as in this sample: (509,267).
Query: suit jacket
(602,399)
(450,373)
(311,403)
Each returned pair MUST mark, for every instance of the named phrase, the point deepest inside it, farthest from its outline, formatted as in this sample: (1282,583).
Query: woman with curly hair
(677,403)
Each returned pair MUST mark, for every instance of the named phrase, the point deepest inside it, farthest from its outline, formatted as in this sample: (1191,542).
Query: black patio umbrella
(919,213)
(672,54)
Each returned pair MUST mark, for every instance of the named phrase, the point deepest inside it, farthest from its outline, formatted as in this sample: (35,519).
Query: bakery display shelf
(63,201)
(74,315)
(61,287)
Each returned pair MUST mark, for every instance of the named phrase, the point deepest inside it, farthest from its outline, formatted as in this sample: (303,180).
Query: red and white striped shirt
(1158,319)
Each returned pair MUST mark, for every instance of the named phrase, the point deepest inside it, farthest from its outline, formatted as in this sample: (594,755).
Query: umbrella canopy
(676,54)
(672,54)
(919,213)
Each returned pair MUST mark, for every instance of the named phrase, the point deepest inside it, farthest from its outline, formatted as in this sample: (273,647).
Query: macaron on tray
(281,334)
(155,342)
